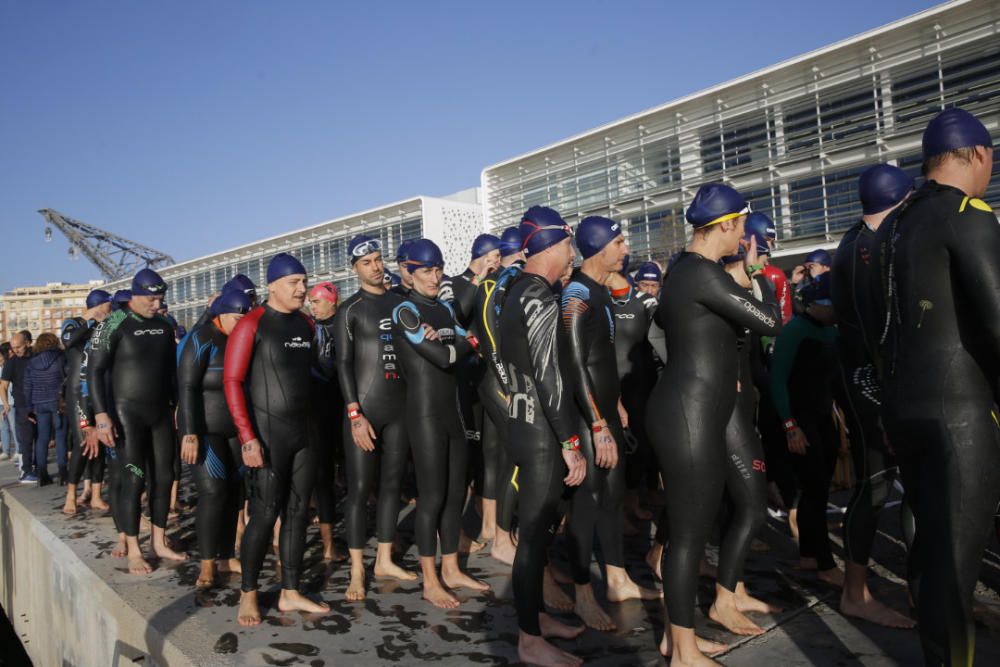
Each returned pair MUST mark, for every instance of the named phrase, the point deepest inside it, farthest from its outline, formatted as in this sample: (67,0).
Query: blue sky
(196,126)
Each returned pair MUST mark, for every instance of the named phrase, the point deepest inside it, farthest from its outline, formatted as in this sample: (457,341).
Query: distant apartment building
(42,308)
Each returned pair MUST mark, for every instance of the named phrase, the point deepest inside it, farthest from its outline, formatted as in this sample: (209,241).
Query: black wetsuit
(940,361)
(703,312)
(804,375)
(368,371)
(266,380)
(590,328)
(433,422)
(637,368)
(874,466)
(541,416)
(202,412)
(76,334)
(131,376)
(328,406)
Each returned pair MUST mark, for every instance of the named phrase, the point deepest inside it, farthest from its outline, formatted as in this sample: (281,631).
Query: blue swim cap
(402,250)
(541,228)
(594,233)
(819,257)
(148,283)
(714,203)
(282,265)
(120,297)
(649,271)
(393,279)
(424,253)
(362,245)
(952,129)
(232,300)
(483,244)
(180,331)
(761,225)
(510,242)
(243,284)
(881,187)
(818,290)
(97,297)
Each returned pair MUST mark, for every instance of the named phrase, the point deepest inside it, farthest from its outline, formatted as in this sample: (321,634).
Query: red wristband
(354,414)
(790,425)
(474,342)
(598,426)
(84,423)
(572,445)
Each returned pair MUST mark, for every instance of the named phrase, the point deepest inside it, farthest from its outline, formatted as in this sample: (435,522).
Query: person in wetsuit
(703,313)
(542,421)
(637,368)
(499,494)
(589,322)
(86,456)
(375,438)
(266,380)
(882,188)
(940,359)
(405,279)
(762,227)
(208,435)
(434,424)
(238,282)
(131,378)
(328,431)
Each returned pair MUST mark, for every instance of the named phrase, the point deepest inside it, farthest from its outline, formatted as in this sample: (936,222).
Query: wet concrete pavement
(395,626)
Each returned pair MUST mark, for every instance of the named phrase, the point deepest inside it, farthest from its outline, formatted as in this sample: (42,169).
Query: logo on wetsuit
(388,349)
(625,316)
(748,306)
(148,332)
(297,342)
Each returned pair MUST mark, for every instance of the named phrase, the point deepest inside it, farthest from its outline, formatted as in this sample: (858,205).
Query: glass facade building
(793,138)
(451,221)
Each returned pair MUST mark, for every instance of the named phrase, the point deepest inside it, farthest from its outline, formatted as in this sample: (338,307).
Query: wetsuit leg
(746,485)
(692,455)
(77,463)
(956,487)
(299,467)
(266,492)
(359,472)
(495,434)
(431,458)
(779,462)
(218,479)
(132,455)
(490,443)
(540,473)
(163,456)
(325,443)
(394,456)
(451,514)
(95,467)
(598,503)
(641,463)
(814,471)
(112,455)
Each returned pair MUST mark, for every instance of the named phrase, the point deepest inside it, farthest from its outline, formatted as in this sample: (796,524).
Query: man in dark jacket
(43,381)
(13,374)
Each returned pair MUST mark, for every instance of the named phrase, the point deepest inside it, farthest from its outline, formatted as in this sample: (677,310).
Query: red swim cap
(326,291)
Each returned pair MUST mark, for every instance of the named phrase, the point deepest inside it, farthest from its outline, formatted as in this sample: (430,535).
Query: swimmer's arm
(974,245)
(343,348)
(759,312)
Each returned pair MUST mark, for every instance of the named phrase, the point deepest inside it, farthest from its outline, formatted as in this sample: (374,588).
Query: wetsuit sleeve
(407,321)
(544,342)
(658,339)
(83,404)
(343,346)
(760,313)
(974,244)
(574,315)
(786,347)
(781,290)
(73,332)
(102,351)
(239,351)
(192,362)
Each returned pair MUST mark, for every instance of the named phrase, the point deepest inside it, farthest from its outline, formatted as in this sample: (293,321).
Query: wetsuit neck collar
(327,321)
(294,313)
(416,296)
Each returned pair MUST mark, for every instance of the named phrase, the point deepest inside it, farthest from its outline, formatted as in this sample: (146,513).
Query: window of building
(806,199)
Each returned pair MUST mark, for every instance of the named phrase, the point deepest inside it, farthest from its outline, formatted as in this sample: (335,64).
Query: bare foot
(294,601)
(69,507)
(626,589)
(874,611)
(232,565)
(120,549)
(439,597)
(532,650)
(590,612)
(333,554)
(85,496)
(457,579)
(504,551)
(834,576)
(467,545)
(99,505)
(249,612)
(706,569)
(138,565)
(747,603)
(390,569)
(733,620)
(206,578)
(654,559)
(163,551)
(706,646)
(356,588)
(553,596)
(552,628)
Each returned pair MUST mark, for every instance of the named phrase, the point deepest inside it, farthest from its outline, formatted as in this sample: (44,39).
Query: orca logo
(625,316)
(148,332)
(297,343)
